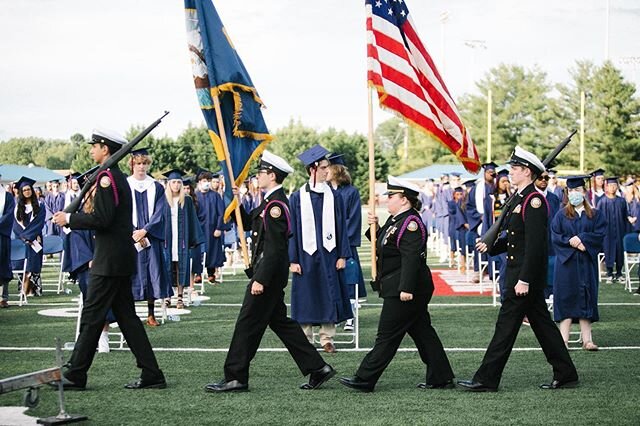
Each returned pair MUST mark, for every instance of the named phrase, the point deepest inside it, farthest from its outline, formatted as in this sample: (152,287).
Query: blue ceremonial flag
(218,69)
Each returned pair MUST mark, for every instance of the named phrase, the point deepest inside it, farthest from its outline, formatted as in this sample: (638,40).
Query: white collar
(272,190)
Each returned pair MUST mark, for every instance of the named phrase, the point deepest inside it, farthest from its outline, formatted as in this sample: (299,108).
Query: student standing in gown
(151,280)
(614,209)
(597,187)
(211,216)
(54,202)
(577,232)
(318,252)
(183,230)
(340,179)
(195,253)
(479,213)
(7,205)
(458,226)
(28,224)
(499,199)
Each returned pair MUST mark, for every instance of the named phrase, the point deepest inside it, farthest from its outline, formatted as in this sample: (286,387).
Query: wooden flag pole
(372,188)
(223,138)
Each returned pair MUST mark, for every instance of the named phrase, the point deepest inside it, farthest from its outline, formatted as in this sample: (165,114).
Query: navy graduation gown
(31,230)
(457,231)
(319,295)
(211,216)
(554,207)
(6,226)
(614,211)
(151,280)
(189,235)
(474,217)
(575,286)
(53,203)
(353,205)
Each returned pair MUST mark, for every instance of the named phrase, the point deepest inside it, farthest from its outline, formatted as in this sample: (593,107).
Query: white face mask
(205,186)
(576,198)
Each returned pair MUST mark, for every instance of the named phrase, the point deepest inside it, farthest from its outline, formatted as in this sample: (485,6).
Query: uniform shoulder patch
(412,226)
(535,202)
(105,181)
(275,212)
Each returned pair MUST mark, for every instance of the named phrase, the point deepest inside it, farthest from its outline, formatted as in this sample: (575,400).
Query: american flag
(407,81)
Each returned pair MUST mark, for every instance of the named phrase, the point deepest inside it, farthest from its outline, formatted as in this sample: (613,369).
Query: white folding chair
(19,254)
(600,269)
(631,245)
(53,257)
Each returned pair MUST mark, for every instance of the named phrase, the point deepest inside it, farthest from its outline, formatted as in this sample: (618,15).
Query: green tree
(522,112)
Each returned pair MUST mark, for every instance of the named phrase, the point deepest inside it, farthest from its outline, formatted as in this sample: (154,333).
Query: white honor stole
(480,187)
(148,184)
(308,220)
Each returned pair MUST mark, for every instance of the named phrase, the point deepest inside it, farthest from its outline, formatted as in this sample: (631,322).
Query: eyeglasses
(544,178)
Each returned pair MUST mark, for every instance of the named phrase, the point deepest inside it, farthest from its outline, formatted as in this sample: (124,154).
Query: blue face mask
(576,198)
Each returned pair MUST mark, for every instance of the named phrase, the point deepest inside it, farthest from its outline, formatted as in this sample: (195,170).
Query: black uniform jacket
(270,233)
(114,253)
(525,240)
(401,259)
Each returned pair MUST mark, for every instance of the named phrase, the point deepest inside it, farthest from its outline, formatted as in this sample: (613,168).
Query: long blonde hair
(169,194)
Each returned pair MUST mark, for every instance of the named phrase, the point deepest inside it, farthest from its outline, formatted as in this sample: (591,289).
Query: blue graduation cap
(598,172)
(24,181)
(313,155)
(173,174)
(71,176)
(612,179)
(337,159)
(503,172)
(458,189)
(456,174)
(140,151)
(188,180)
(489,166)
(576,181)
(469,183)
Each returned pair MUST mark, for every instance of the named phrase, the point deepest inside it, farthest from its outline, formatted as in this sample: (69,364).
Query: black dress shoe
(357,383)
(445,385)
(557,384)
(471,386)
(68,385)
(147,384)
(224,386)
(319,377)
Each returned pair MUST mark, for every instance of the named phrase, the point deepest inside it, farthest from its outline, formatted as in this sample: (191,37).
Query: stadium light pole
(474,45)
(606,32)
(444,18)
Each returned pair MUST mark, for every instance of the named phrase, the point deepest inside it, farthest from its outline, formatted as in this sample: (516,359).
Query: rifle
(490,237)
(111,161)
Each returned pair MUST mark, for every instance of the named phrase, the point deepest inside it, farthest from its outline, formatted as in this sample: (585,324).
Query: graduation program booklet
(36,246)
(142,244)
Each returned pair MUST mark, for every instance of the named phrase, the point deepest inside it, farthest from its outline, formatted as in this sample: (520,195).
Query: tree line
(527,110)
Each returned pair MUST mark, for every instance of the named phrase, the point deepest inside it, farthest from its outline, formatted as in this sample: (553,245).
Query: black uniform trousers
(258,313)
(115,293)
(510,317)
(397,319)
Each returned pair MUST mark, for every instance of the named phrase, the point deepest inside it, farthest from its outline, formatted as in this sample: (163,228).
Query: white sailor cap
(270,161)
(107,137)
(395,185)
(525,158)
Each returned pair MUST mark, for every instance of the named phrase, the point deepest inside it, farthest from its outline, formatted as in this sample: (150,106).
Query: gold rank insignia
(535,202)
(105,182)
(517,209)
(275,212)
(412,226)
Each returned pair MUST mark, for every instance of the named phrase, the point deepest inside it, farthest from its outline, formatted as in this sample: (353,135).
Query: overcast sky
(67,66)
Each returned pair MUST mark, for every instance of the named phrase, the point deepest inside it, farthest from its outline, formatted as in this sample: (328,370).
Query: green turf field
(191,353)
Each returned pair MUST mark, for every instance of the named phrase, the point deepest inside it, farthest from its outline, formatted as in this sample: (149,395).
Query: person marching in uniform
(526,278)
(114,262)
(404,282)
(577,233)
(263,303)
